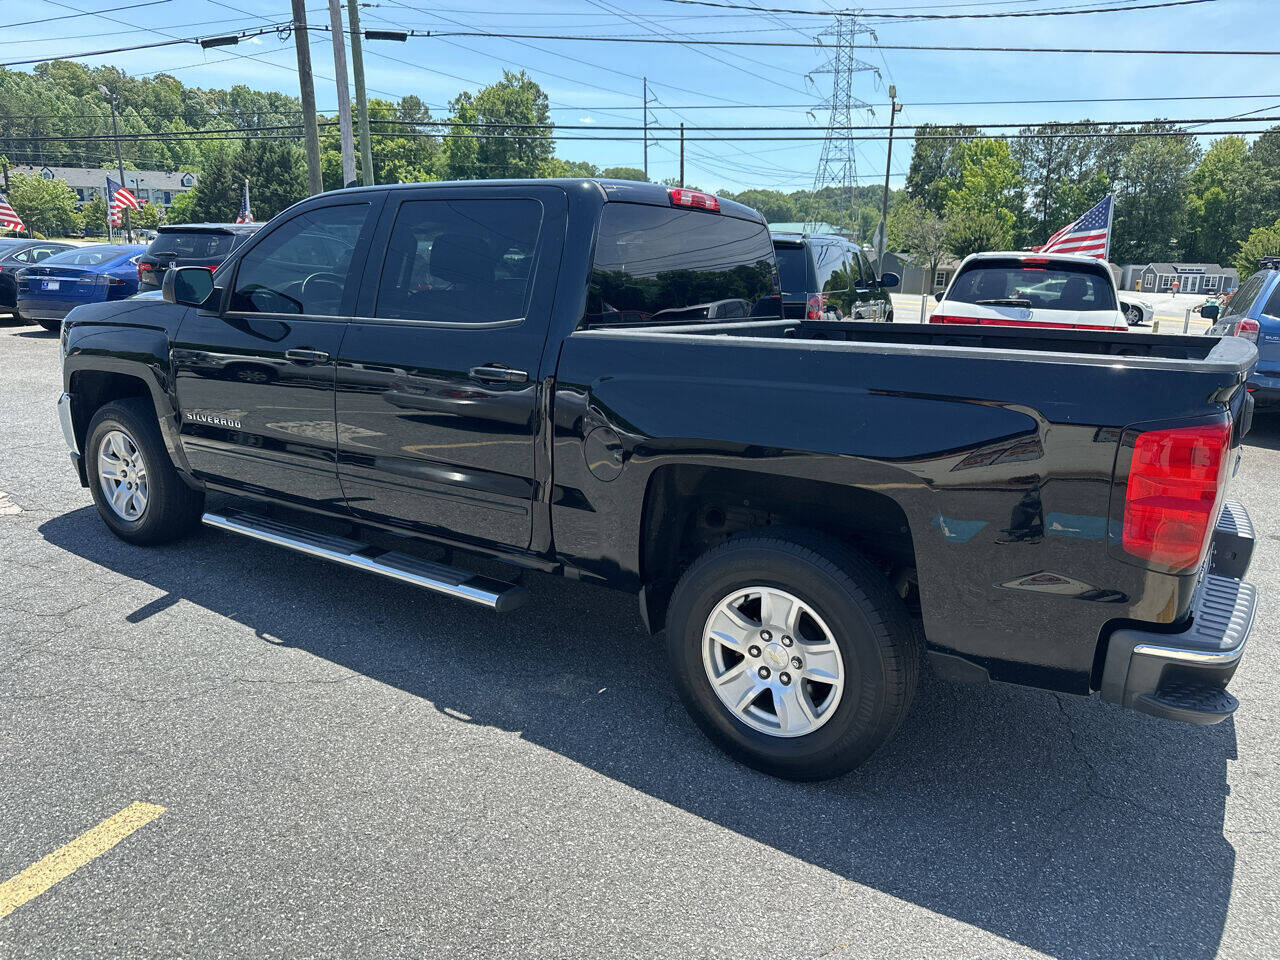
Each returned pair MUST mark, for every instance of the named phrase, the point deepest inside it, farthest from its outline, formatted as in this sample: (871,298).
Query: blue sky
(594,84)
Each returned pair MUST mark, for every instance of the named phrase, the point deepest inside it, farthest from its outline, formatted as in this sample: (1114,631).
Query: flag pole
(1111,212)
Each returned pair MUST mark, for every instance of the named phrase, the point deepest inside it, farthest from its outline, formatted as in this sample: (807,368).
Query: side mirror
(189,286)
(888,280)
(1210,311)
(938,296)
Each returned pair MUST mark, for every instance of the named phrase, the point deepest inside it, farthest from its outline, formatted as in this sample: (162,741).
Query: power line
(944,16)
(87,13)
(786,44)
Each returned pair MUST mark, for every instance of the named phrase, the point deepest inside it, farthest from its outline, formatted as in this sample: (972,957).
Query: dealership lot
(348,767)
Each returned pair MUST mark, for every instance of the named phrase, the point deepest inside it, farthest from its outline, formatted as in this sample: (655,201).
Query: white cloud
(585,120)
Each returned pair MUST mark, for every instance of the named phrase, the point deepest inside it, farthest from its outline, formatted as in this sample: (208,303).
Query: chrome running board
(436,577)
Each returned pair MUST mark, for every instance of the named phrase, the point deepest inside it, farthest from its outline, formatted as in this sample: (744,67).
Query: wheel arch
(689,509)
(93,382)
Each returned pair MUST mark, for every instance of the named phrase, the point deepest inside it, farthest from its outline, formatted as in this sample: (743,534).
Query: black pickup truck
(388,377)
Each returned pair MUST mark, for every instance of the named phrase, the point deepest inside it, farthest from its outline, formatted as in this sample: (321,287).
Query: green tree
(1151,197)
(624,173)
(183,208)
(1262,242)
(774,206)
(980,211)
(47,207)
(555,167)
(935,166)
(1223,201)
(511,139)
(914,229)
(93,216)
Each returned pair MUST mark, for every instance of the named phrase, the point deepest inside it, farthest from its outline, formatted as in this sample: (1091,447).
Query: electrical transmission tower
(838,166)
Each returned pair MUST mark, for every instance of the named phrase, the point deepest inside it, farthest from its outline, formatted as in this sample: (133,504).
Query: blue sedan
(48,291)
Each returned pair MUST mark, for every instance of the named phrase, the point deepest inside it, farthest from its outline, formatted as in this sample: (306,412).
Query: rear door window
(1243,298)
(1272,309)
(1056,286)
(460,261)
(670,265)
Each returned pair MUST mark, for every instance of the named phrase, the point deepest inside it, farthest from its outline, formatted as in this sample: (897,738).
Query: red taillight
(1176,482)
(142,267)
(814,308)
(693,198)
(1248,328)
(948,318)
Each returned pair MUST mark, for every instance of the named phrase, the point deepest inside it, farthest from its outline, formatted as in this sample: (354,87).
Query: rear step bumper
(1184,676)
(437,577)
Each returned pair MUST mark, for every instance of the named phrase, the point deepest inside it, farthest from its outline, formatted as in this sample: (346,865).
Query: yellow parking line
(66,860)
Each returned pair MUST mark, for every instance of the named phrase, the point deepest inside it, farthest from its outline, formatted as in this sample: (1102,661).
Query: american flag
(9,219)
(117,199)
(1090,235)
(246,215)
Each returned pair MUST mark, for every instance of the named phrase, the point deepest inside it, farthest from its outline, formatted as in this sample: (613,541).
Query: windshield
(89,256)
(1055,286)
(191,243)
(793,270)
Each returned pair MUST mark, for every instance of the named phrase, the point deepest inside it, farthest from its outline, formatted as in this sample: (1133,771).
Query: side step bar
(437,577)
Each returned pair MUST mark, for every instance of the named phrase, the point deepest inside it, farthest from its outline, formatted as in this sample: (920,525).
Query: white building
(160,187)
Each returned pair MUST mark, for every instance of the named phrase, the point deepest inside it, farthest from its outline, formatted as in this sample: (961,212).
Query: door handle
(306,356)
(497,373)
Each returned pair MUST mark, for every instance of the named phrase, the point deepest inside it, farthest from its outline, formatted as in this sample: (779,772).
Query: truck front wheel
(792,653)
(134,484)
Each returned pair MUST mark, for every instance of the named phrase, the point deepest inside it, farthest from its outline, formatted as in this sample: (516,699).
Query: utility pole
(362,102)
(682,153)
(894,107)
(344,93)
(307,91)
(115,135)
(646,126)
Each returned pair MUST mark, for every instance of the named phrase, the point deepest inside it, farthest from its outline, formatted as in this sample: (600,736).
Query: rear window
(1243,298)
(191,243)
(1056,286)
(89,256)
(668,265)
(793,271)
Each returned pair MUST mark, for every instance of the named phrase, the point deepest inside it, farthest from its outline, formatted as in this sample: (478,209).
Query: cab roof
(622,191)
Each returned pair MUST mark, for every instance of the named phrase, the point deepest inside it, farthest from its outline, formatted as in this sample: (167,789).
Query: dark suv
(825,277)
(189,245)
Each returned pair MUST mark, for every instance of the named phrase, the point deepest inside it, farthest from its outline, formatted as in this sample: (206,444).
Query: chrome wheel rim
(773,662)
(122,475)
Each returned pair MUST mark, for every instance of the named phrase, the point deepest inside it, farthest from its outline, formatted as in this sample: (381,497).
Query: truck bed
(1222,352)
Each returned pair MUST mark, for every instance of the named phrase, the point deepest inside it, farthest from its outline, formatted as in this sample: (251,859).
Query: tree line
(1174,201)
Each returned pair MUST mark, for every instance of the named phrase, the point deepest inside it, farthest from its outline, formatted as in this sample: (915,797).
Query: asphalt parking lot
(348,767)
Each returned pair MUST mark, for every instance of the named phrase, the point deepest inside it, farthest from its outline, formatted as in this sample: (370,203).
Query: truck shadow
(1265,432)
(1059,823)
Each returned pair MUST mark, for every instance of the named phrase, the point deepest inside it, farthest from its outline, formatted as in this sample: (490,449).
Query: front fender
(139,352)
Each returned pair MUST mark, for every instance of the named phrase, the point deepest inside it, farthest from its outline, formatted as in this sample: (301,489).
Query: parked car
(49,290)
(807,509)
(190,245)
(1060,291)
(825,277)
(1137,312)
(15,254)
(1253,312)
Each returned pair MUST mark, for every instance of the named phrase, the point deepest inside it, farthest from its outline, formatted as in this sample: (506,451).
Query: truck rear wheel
(792,653)
(134,484)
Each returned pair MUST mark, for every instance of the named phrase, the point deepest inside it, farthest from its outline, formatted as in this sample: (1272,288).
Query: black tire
(53,326)
(877,640)
(172,509)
